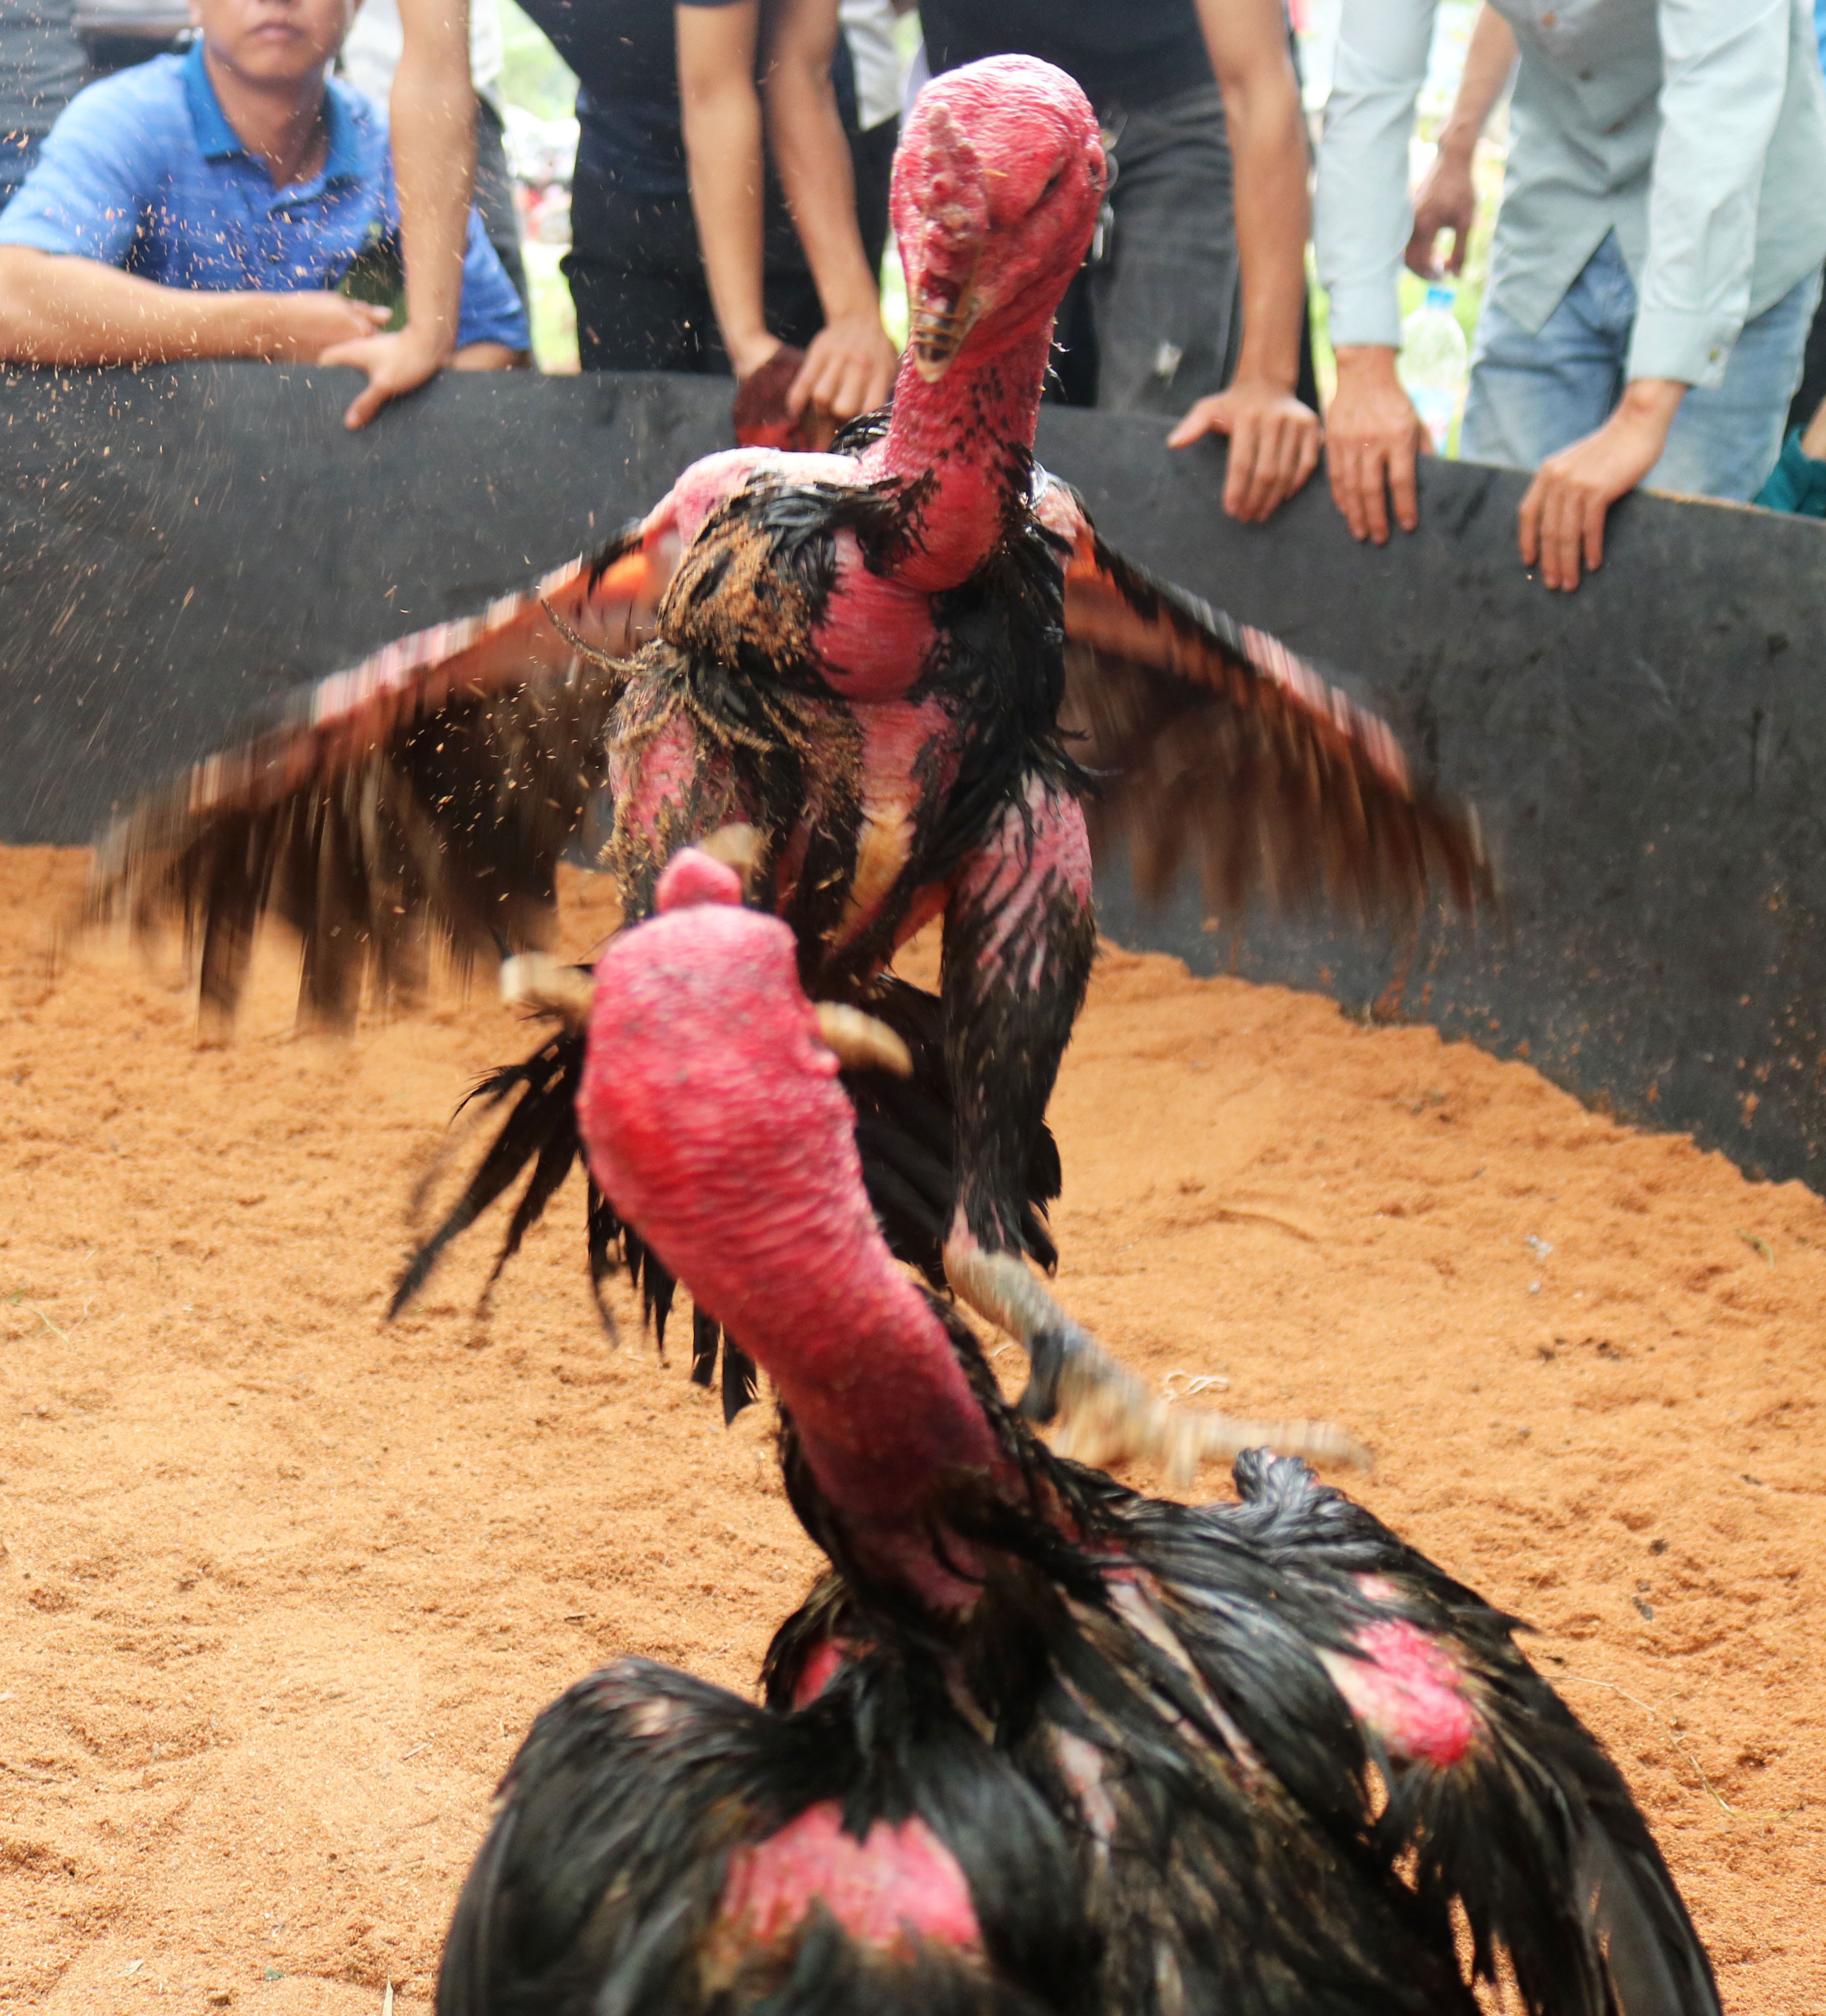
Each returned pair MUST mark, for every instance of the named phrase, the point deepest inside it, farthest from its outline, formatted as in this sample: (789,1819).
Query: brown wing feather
(1212,739)
(423,796)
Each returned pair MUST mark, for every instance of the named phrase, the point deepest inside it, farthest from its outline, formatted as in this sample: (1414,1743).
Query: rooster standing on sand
(904,666)
(1036,1745)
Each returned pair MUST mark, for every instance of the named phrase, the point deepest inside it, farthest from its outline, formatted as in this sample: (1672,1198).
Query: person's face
(273,42)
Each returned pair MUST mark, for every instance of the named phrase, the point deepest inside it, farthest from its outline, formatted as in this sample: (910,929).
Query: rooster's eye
(1058,177)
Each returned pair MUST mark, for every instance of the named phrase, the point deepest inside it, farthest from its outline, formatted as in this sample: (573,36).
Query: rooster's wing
(1212,740)
(425,795)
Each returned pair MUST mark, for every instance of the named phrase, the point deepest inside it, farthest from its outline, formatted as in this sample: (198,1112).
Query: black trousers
(637,273)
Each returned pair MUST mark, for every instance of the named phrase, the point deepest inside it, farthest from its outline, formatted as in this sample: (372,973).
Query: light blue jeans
(1534,394)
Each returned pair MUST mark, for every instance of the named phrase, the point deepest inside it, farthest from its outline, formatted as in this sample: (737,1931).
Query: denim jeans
(1533,394)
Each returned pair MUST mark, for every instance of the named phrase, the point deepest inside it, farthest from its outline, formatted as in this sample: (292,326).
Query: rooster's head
(997,187)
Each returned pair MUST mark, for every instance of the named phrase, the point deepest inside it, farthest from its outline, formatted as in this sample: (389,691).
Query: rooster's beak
(861,1042)
(549,986)
(943,317)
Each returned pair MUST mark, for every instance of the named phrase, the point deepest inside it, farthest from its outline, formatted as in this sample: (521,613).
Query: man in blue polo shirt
(213,204)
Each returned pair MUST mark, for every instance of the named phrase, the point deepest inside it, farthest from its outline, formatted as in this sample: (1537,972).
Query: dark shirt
(619,48)
(625,53)
(1123,52)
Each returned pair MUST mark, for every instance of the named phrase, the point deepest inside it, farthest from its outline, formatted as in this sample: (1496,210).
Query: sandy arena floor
(282,1587)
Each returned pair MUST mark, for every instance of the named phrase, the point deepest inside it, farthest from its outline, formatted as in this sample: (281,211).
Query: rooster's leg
(1018,942)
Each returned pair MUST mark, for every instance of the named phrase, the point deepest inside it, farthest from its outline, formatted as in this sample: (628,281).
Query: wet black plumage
(1294,1767)
(1136,1752)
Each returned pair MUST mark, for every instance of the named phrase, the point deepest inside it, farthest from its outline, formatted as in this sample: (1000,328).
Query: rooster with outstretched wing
(909,671)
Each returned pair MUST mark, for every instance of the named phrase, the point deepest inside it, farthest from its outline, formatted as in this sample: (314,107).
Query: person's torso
(1585,123)
(211,218)
(1123,52)
(626,57)
(619,49)
(1598,61)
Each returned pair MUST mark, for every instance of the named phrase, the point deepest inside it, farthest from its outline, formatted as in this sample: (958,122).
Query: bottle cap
(1439,296)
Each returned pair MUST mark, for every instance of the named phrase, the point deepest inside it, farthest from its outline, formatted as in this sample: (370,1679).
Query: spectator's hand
(1372,435)
(1563,516)
(298,329)
(397,363)
(1274,444)
(849,368)
(1446,200)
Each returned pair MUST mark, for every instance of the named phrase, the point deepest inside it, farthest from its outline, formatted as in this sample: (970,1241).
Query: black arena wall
(1647,754)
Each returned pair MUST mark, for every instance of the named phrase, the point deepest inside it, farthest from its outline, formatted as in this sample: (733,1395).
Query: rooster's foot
(1105,1414)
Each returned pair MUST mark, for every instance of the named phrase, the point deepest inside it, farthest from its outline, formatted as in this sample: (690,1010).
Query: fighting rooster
(1036,1743)
(905,668)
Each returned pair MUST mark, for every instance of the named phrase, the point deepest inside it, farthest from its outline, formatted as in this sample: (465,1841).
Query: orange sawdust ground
(282,1587)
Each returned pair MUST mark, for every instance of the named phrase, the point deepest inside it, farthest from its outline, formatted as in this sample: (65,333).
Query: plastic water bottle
(1432,365)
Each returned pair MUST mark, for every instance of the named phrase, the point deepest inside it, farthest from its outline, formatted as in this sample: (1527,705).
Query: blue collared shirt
(143,171)
(1694,129)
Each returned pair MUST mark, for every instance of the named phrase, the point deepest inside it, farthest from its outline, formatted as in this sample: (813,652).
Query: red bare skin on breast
(877,636)
(896,1885)
(822,1665)
(1407,1689)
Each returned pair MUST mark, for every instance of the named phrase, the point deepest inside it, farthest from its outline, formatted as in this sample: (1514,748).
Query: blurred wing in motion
(426,794)
(1210,738)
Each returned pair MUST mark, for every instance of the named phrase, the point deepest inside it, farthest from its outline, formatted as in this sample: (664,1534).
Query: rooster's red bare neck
(965,439)
(713,1118)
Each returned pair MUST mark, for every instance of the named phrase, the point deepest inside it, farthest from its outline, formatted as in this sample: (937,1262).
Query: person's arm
(1724,73)
(719,110)
(1447,199)
(1274,437)
(431,117)
(492,331)
(1361,221)
(850,363)
(487,357)
(1814,440)
(59,309)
